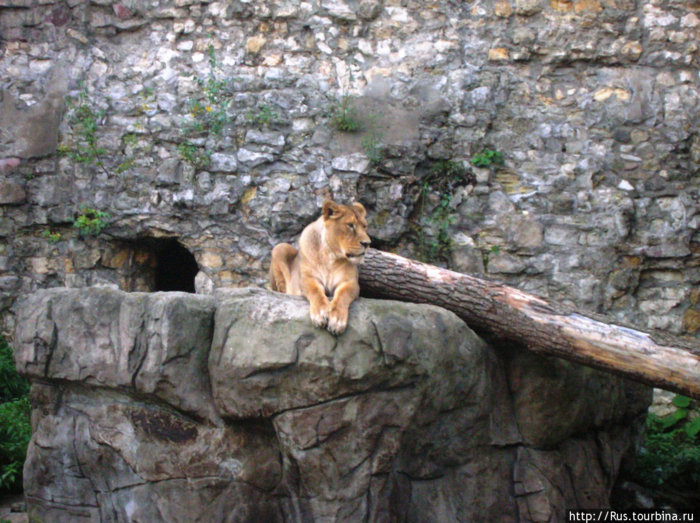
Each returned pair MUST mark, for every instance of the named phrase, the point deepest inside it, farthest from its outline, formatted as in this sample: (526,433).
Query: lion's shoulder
(311,242)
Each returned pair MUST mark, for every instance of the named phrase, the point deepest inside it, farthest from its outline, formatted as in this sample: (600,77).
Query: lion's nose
(365,244)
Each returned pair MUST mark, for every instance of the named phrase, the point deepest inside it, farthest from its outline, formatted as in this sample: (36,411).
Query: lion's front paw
(337,320)
(319,315)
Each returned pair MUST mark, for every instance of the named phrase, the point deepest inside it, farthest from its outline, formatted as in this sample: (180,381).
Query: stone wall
(177,407)
(213,123)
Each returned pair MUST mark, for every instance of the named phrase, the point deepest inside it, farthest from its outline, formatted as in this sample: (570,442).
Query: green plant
(125,165)
(669,457)
(208,114)
(91,222)
(488,158)
(344,115)
(15,431)
(12,385)
(438,245)
(446,175)
(441,245)
(194,155)
(84,120)
(147,96)
(679,418)
(443,177)
(487,252)
(147,92)
(209,109)
(130,139)
(15,427)
(263,116)
(52,237)
(371,143)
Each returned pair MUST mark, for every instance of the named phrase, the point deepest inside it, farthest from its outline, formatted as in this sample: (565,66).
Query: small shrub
(52,237)
(373,148)
(15,427)
(12,385)
(130,139)
(209,109)
(15,432)
(263,116)
(84,120)
(440,246)
(147,92)
(488,158)
(193,155)
(446,175)
(487,252)
(344,116)
(443,177)
(669,458)
(125,166)
(91,222)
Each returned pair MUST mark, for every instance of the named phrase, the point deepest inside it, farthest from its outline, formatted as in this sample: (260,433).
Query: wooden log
(496,310)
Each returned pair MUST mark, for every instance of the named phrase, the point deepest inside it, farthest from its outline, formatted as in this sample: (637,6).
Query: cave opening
(175,267)
(153,264)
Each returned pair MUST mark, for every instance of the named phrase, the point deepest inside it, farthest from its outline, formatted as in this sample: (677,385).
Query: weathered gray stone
(272,139)
(369,9)
(504,263)
(253,158)
(357,162)
(584,398)
(405,416)
(223,163)
(333,367)
(338,9)
(8,164)
(155,342)
(11,193)
(467,259)
(32,132)
(142,461)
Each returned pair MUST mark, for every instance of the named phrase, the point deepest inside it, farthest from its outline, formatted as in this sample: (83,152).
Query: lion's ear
(360,209)
(330,210)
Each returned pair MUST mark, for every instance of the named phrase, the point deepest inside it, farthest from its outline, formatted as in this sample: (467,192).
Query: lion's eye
(351,226)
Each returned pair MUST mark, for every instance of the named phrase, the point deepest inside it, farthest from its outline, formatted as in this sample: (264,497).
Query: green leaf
(672,419)
(15,427)
(682,402)
(12,385)
(692,428)
(488,158)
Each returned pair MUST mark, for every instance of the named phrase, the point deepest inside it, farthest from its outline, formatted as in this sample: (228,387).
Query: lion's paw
(319,316)
(337,321)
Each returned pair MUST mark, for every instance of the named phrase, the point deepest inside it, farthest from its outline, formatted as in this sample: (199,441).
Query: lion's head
(345,230)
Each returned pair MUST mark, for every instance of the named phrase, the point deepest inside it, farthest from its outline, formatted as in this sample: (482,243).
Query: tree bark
(494,309)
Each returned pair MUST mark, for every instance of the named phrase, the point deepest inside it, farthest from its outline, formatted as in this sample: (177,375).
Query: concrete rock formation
(233,407)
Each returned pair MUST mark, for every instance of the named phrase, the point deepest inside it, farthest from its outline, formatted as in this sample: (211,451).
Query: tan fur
(330,249)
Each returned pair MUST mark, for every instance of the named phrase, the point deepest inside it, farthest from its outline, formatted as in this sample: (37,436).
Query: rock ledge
(233,407)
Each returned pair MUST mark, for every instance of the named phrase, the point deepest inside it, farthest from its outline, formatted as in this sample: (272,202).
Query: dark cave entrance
(154,264)
(175,267)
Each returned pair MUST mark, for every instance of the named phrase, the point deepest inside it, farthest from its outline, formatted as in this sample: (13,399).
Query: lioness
(325,265)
